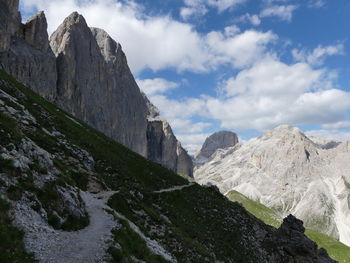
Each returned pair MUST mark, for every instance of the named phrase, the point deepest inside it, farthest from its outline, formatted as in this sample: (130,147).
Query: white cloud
(156,86)
(317,56)
(253,19)
(330,134)
(240,50)
(272,93)
(223,5)
(187,126)
(192,142)
(316,3)
(284,12)
(159,42)
(337,125)
(195,8)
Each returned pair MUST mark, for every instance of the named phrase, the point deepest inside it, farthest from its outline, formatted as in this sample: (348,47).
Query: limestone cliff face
(218,140)
(29,57)
(96,85)
(10,22)
(85,72)
(162,145)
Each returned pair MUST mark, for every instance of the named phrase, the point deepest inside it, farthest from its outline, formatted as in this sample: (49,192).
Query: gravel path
(87,245)
(175,188)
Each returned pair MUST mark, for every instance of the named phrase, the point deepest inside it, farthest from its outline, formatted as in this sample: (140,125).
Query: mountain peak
(218,140)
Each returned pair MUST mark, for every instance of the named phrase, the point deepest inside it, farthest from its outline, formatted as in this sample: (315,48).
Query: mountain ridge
(300,172)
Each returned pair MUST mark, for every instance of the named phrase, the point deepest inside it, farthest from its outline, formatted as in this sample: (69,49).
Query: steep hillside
(75,193)
(85,72)
(336,249)
(288,172)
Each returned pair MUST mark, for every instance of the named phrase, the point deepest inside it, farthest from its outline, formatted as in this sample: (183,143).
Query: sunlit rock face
(287,171)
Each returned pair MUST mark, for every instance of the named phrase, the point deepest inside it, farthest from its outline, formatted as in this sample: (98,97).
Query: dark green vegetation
(131,246)
(336,249)
(11,244)
(193,224)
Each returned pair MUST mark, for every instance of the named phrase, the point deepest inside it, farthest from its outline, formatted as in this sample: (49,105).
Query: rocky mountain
(290,173)
(68,193)
(85,72)
(218,140)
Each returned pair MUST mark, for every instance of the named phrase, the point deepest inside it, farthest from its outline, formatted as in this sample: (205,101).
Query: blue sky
(240,65)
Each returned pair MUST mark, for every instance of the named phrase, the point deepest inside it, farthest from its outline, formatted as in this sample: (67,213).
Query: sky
(241,65)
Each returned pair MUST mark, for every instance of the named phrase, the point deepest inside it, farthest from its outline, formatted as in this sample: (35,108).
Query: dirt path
(87,245)
(175,188)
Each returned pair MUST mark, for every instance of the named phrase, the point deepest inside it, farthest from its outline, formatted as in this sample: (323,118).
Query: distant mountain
(289,173)
(85,72)
(218,140)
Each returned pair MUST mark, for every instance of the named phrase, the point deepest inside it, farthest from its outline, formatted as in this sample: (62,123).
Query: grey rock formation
(95,84)
(291,239)
(218,140)
(29,57)
(162,145)
(35,32)
(85,72)
(9,22)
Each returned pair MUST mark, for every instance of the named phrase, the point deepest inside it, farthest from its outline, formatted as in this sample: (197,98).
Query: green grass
(11,239)
(335,249)
(131,246)
(259,210)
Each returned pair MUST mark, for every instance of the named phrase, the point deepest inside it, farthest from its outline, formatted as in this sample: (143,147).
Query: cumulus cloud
(156,86)
(272,93)
(283,12)
(192,142)
(159,42)
(317,56)
(316,3)
(253,19)
(195,8)
(330,134)
(240,50)
(337,125)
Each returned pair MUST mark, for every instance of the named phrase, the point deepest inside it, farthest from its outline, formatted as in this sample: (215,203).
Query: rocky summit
(290,173)
(85,72)
(218,140)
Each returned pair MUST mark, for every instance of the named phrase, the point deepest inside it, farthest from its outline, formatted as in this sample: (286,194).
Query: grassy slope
(197,224)
(336,249)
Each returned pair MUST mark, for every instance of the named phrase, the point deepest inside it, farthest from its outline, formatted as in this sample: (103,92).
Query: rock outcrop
(95,84)
(162,144)
(9,22)
(85,72)
(291,239)
(218,140)
(288,172)
(29,57)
